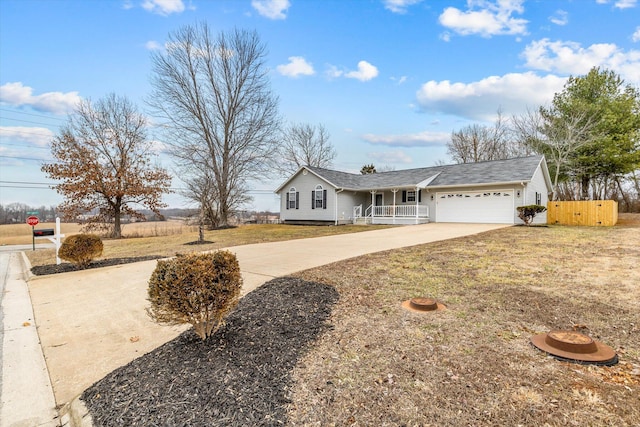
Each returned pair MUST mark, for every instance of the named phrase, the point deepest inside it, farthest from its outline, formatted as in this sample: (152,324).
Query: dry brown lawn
(172,237)
(473,363)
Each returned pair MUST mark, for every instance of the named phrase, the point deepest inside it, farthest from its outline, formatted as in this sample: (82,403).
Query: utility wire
(23,146)
(28,184)
(27,121)
(22,158)
(31,114)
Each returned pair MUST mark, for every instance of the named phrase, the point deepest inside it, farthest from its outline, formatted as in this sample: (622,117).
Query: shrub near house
(527,213)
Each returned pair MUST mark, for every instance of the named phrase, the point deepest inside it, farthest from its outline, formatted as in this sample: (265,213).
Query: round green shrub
(200,289)
(81,249)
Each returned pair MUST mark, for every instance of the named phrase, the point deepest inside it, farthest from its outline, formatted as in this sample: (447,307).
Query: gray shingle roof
(490,172)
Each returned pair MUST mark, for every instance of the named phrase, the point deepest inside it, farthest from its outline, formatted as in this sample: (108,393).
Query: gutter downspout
(524,199)
(336,206)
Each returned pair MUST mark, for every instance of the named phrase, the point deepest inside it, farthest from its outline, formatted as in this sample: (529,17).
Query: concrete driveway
(92,322)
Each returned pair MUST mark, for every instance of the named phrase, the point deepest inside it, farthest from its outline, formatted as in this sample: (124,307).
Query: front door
(379,200)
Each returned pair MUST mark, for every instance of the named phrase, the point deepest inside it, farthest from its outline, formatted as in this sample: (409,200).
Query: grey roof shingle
(490,172)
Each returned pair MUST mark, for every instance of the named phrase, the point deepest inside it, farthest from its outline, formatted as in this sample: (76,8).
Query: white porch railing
(357,211)
(402,211)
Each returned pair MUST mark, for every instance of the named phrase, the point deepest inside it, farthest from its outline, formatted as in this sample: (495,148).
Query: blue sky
(389,79)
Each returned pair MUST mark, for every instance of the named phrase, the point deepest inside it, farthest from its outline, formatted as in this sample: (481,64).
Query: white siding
(305,184)
(537,185)
(346,202)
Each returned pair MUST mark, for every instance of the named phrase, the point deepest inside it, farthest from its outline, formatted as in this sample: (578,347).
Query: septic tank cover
(575,346)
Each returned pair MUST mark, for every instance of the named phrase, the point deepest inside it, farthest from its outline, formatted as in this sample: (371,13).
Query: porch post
(373,205)
(417,206)
(394,191)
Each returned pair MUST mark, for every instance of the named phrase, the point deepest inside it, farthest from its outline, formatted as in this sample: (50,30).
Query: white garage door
(489,206)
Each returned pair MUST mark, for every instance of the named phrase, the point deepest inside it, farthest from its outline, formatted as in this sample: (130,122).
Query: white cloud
(561,17)
(364,73)
(53,102)
(296,67)
(399,80)
(163,7)
(636,35)
(399,6)
(333,72)
(391,157)
(620,4)
(272,9)
(31,135)
(485,18)
(512,93)
(626,4)
(571,58)
(157,146)
(421,139)
(446,36)
(153,45)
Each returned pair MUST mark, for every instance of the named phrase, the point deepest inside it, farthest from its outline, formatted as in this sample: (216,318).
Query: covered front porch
(410,211)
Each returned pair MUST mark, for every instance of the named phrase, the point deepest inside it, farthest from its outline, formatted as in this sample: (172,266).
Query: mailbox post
(49,233)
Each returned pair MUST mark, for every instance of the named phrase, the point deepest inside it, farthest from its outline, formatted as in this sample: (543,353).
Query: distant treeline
(17,213)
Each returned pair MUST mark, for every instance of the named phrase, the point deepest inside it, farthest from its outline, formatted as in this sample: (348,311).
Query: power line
(31,114)
(24,146)
(24,187)
(27,121)
(22,158)
(30,133)
(28,184)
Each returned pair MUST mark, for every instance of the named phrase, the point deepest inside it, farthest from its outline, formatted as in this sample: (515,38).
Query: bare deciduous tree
(103,159)
(304,145)
(478,143)
(220,113)
(558,138)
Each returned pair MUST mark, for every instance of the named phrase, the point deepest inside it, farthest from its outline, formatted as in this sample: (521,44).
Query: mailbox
(43,232)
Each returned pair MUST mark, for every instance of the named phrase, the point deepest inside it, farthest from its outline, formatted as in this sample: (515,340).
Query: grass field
(172,237)
(20,234)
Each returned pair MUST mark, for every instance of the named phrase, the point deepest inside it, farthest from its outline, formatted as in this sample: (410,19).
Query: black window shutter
(419,196)
(324,199)
(404,196)
(313,200)
(287,200)
(297,199)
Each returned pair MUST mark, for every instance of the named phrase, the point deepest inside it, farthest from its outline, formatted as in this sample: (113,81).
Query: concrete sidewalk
(27,396)
(92,322)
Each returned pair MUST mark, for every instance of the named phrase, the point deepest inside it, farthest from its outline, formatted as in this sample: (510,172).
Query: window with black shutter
(319,198)
(293,198)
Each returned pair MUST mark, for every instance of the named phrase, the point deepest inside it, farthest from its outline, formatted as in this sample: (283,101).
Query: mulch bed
(65,267)
(238,377)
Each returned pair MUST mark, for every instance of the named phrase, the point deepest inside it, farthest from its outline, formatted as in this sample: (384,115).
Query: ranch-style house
(484,192)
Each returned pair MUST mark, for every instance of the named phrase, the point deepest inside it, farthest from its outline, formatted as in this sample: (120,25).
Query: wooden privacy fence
(589,212)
